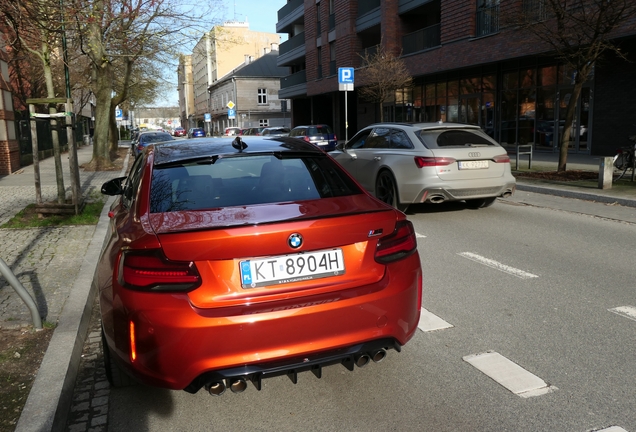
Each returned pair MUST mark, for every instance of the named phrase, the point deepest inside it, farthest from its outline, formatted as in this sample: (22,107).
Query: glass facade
(522,105)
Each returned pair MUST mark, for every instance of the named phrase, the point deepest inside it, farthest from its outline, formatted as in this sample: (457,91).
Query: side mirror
(341,146)
(114,186)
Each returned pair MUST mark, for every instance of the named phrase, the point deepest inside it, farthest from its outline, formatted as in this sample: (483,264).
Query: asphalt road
(539,308)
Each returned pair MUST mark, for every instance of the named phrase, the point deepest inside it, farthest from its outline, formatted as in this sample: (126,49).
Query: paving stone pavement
(46,261)
(89,409)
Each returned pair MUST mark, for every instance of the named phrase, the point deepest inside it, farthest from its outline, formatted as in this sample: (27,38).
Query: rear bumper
(180,347)
(438,195)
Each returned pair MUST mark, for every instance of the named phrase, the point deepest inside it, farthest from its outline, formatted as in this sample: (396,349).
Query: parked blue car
(149,137)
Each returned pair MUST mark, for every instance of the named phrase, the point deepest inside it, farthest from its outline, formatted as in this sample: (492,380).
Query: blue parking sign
(345,75)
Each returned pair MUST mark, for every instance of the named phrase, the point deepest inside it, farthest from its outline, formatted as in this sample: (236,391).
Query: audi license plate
(475,164)
(291,268)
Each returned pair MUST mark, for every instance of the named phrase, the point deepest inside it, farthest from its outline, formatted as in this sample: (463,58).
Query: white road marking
(418,235)
(613,429)
(497,265)
(509,374)
(625,311)
(430,322)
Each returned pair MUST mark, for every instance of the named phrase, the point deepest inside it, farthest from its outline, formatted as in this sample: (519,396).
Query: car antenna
(239,144)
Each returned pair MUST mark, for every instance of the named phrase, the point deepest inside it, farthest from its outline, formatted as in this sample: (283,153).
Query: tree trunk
(50,93)
(113,137)
(103,90)
(567,125)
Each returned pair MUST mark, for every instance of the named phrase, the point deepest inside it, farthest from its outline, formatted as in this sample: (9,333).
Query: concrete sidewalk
(57,265)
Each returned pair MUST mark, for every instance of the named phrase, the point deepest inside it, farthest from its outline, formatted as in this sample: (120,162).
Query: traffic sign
(231,113)
(345,75)
(230,105)
(207,117)
(345,78)
(119,114)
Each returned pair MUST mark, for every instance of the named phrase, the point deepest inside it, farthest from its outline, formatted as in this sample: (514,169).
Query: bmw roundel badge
(295,241)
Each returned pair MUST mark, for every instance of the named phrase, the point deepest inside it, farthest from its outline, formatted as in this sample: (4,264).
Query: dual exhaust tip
(217,388)
(239,384)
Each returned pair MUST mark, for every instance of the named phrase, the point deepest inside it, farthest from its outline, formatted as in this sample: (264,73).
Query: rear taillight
(422,162)
(397,245)
(501,159)
(151,270)
(335,138)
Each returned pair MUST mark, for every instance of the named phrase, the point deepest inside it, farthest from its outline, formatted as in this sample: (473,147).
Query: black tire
(386,190)
(115,376)
(480,202)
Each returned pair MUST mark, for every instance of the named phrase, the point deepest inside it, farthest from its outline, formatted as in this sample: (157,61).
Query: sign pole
(346,118)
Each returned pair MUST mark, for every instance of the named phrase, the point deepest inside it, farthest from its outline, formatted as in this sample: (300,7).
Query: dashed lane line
(497,265)
(509,374)
(625,311)
(431,322)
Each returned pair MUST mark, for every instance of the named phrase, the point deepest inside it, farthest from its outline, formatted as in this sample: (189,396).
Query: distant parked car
(253,131)
(179,132)
(231,131)
(275,132)
(196,133)
(404,164)
(321,135)
(150,137)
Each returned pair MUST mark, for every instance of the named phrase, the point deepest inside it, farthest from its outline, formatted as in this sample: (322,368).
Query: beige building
(220,51)
(185,89)
(253,88)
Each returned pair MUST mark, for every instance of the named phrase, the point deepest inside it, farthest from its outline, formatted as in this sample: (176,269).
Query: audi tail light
(397,245)
(501,159)
(422,161)
(152,271)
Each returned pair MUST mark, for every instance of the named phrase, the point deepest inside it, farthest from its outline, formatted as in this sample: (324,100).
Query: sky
(262,15)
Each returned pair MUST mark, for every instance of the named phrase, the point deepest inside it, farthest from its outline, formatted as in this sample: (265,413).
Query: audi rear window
(246,181)
(454,138)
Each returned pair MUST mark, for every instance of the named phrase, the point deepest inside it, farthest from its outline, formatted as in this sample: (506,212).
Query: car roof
(177,150)
(427,125)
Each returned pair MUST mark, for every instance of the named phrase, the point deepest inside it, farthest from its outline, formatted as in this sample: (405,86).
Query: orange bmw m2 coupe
(232,260)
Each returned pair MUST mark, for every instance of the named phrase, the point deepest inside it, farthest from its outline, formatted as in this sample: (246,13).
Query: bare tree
(120,39)
(579,33)
(37,33)
(381,75)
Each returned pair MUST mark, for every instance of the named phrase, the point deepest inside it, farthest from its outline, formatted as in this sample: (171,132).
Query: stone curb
(50,398)
(576,194)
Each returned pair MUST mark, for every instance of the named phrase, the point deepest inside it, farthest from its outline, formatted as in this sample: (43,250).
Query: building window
(262,96)
(332,58)
(487,21)
(318,26)
(332,15)
(263,122)
(319,61)
(535,10)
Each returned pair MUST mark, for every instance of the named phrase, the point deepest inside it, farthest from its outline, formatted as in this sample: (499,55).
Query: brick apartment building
(9,148)
(467,67)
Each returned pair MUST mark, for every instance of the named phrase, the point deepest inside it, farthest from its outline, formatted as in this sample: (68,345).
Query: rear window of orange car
(245,181)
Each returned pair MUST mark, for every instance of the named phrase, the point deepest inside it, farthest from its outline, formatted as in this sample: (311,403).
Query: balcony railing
(422,39)
(487,20)
(292,43)
(288,8)
(367,6)
(299,77)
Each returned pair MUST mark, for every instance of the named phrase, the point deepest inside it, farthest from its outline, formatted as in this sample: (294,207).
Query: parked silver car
(404,164)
